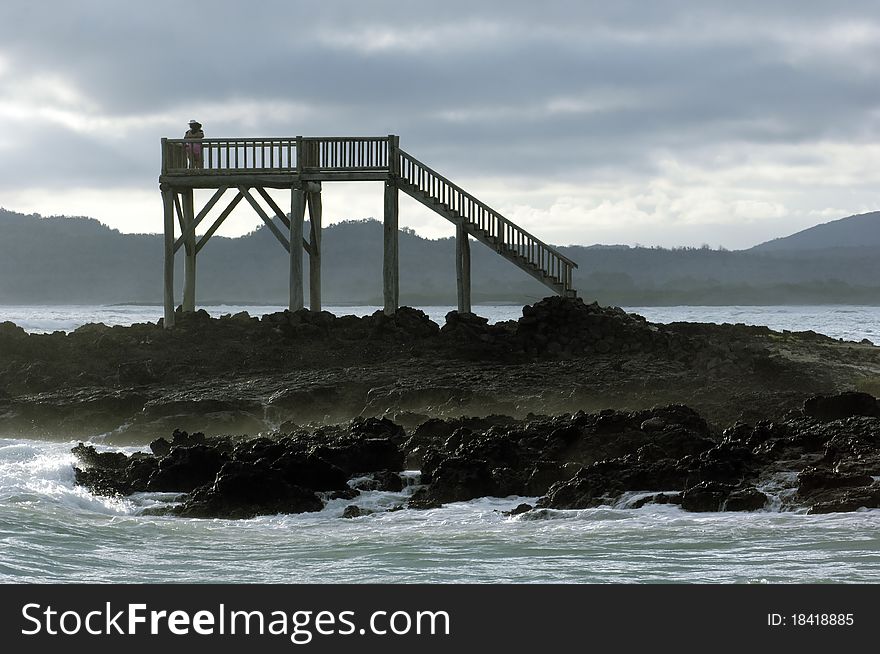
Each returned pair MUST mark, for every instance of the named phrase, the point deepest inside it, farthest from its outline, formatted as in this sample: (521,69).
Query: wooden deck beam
(269,180)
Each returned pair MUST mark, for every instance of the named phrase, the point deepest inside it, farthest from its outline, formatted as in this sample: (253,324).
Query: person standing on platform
(194,150)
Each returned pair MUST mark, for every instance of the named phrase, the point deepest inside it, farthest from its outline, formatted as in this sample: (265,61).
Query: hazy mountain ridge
(861,230)
(60,260)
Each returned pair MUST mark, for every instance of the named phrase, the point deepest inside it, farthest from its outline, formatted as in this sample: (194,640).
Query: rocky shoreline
(823,458)
(239,374)
(574,404)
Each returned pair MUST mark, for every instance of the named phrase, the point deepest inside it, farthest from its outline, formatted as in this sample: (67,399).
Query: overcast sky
(670,123)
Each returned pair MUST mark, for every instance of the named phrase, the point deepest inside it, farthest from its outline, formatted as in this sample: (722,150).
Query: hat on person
(194,122)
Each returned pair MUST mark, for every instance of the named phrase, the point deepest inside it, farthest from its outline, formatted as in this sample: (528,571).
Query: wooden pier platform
(240,169)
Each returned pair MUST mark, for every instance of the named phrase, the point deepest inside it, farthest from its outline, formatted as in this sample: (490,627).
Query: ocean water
(54,531)
(849,322)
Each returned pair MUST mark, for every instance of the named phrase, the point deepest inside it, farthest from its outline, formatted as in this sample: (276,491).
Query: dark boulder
(821,486)
(518,510)
(310,471)
(659,498)
(362,455)
(100,481)
(457,479)
(405,324)
(91,458)
(244,490)
(379,428)
(844,405)
(705,496)
(558,327)
(187,468)
(268,449)
(852,446)
(383,480)
(603,482)
(850,500)
(546,473)
(354,511)
(728,462)
(160,447)
(746,499)
(113,473)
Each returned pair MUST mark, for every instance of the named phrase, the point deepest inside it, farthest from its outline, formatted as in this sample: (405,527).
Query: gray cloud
(577,90)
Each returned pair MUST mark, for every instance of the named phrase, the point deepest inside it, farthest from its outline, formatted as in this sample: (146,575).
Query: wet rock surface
(831,465)
(234,477)
(247,416)
(244,375)
(664,455)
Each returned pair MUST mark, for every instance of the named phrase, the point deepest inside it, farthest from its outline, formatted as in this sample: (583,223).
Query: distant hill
(62,260)
(862,230)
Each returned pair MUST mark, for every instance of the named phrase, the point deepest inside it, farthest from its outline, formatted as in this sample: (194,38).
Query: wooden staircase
(486,225)
(301,164)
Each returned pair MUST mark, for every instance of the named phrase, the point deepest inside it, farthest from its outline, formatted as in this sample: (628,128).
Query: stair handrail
(405,156)
(563,276)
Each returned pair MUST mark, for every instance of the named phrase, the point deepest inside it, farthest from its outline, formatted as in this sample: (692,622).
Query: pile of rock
(666,455)
(467,334)
(566,327)
(528,458)
(407,324)
(146,354)
(233,478)
(835,459)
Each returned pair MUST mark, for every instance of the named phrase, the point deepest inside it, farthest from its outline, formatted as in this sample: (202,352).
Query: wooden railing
(363,158)
(275,155)
(345,153)
(507,237)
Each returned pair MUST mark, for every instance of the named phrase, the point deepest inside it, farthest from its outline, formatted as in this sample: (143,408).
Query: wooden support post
(463,268)
(297,214)
(314,202)
(391,265)
(168,205)
(189,245)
